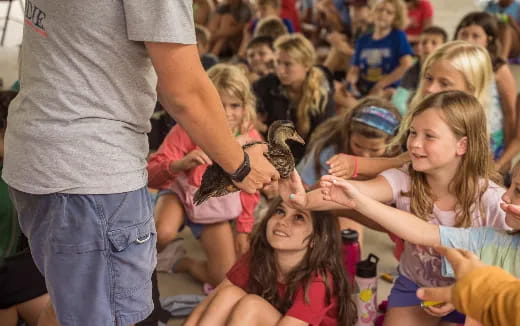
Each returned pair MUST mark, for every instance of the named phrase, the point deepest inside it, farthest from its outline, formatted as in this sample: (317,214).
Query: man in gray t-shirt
(76,145)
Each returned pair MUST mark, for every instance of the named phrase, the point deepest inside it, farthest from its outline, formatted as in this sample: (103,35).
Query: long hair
(466,117)
(336,131)
(315,88)
(232,81)
(401,12)
(323,259)
(489,24)
(472,61)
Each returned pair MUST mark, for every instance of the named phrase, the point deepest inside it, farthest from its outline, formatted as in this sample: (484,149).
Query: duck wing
(216,182)
(282,160)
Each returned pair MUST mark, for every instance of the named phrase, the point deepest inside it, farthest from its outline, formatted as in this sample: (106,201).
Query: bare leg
(31,310)
(48,317)
(169,215)
(253,310)
(220,307)
(471,322)
(9,316)
(217,242)
(409,316)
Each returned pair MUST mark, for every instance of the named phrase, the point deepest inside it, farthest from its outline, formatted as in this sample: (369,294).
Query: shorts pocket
(133,257)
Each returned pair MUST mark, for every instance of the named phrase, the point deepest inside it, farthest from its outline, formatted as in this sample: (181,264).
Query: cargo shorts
(96,253)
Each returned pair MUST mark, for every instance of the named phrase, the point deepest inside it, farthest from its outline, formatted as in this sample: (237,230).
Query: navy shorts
(403,294)
(196,228)
(96,252)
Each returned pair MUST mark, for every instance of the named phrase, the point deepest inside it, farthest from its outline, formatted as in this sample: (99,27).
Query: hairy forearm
(403,224)
(199,111)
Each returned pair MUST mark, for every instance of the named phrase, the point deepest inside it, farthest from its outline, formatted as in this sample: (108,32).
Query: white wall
(13,38)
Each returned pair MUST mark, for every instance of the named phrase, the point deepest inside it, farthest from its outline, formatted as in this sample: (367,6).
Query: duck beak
(297,138)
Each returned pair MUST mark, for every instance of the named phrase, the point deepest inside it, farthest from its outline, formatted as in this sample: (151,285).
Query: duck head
(282,130)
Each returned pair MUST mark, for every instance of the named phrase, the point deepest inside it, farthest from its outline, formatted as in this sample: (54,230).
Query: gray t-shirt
(79,123)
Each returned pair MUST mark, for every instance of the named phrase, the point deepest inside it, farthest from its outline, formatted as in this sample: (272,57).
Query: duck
(216,182)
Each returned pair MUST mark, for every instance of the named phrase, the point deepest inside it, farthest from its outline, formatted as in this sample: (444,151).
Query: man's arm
(187,94)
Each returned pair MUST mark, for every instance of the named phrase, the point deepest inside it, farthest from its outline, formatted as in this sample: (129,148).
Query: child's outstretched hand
(195,158)
(342,165)
(292,191)
(340,191)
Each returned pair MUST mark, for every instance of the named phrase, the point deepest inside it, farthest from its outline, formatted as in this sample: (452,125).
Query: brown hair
(466,117)
(270,26)
(336,131)
(323,259)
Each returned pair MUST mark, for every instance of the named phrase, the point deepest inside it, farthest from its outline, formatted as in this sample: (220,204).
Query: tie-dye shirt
(422,264)
(493,247)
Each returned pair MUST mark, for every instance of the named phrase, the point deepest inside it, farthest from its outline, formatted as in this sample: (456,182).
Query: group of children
(423,141)
(426,137)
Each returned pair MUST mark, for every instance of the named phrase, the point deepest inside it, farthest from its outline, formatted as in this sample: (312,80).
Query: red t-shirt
(417,16)
(316,312)
(289,12)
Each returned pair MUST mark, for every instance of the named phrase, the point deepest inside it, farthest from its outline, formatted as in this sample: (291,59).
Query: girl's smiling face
(289,229)
(234,109)
(432,144)
(512,197)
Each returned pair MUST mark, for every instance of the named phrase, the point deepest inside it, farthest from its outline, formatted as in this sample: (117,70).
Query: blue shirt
(492,246)
(307,166)
(377,58)
(512,10)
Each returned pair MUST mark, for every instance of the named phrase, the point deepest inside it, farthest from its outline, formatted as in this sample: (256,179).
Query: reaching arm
(187,94)
(403,224)
(405,62)
(506,87)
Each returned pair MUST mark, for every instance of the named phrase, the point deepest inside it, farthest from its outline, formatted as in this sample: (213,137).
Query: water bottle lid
(367,268)
(349,235)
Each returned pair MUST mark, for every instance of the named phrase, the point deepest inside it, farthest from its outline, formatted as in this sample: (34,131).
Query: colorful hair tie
(378,118)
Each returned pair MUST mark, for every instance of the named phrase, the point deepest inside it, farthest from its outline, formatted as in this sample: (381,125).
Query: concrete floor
(447,15)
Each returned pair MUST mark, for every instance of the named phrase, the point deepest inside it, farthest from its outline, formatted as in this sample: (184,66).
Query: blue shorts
(403,294)
(196,228)
(96,252)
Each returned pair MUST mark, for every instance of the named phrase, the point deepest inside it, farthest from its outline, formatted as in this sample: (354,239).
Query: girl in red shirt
(293,275)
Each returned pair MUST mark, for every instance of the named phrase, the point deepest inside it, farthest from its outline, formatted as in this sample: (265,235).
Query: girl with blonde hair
(456,65)
(448,182)
(176,169)
(299,91)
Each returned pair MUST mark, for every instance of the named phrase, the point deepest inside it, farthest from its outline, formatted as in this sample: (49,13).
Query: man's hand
(262,171)
(462,262)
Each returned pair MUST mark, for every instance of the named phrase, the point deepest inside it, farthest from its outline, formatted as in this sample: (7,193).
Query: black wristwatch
(243,170)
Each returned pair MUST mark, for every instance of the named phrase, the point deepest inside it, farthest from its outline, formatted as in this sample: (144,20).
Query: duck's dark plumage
(216,182)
